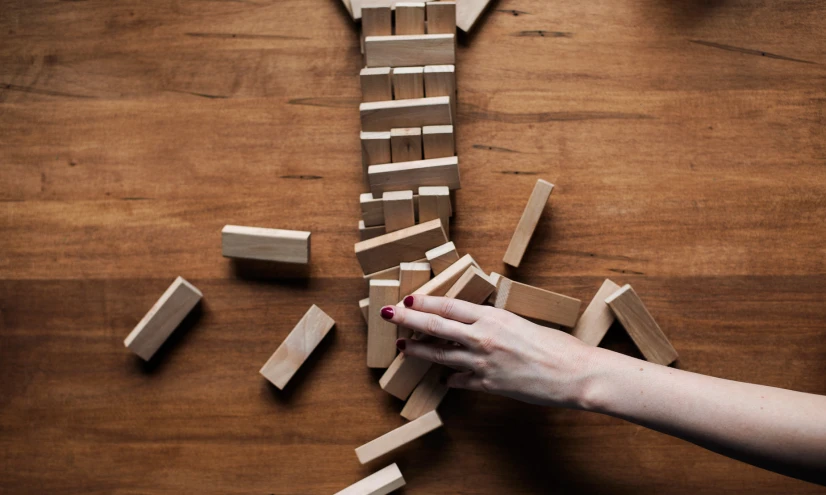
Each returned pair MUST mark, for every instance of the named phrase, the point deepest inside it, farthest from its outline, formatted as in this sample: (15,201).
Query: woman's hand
(495,351)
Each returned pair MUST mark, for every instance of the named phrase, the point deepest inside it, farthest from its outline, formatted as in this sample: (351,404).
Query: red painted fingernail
(387,312)
(408,302)
(401,344)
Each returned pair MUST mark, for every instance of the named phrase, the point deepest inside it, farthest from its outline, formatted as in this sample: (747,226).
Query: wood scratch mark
(625,272)
(749,51)
(513,12)
(544,34)
(38,91)
(302,177)
(494,148)
(518,172)
(332,102)
(201,95)
(242,36)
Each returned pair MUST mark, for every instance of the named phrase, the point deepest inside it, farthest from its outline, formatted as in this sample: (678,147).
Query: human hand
(497,351)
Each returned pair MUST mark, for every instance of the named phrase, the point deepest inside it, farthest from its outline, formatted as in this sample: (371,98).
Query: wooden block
(443,194)
(399,437)
(527,224)
(473,286)
(391,273)
(410,50)
(370,232)
(405,144)
(381,116)
(640,325)
(163,318)
(597,318)
(372,210)
(437,141)
(413,175)
(441,283)
(376,84)
(381,334)
(441,17)
(408,83)
(468,12)
(441,257)
(376,21)
(375,150)
(404,245)
(533,302)
(440,80)
(254,243)
(411,277)
(364,307)
(398,210)
(434,202)
(297,347)
(410,18)
(349,7)
(428,394)
(379,483)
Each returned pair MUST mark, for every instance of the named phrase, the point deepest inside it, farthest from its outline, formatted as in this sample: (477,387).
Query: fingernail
(387,312)
(408,301)
(401,344)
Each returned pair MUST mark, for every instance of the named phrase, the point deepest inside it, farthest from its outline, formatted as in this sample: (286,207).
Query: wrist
(594,389)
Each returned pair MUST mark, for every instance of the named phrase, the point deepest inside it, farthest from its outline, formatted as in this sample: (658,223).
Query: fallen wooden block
(163,318)
(399,437)
(441,17)
(370,232)
(381,334)
(441,283)
(527,224)
(254,243)
(405,145)
(413,175)
(428,394)
(533,302)
(297,347)
(379,483)
(472,286)
(641,326)
(376,21)
(440,80)
(442,257)
(372,210)
(376,84)
(411,277)
(398,210)
(410,18)
(364,307)
(410,50)
(437,141)
(434,202)
(402,246)
(408,83)
(378,116)
(468,12)
(597,318)
(391,273)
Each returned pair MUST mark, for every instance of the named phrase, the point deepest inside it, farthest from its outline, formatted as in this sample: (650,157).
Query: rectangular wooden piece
(533,302)
(381,116)
(410,50)
(641,326)
(437,141)
(413,175)
(381,334)
(398,210)
(527,224)
(597,318)
(404,245)
(284,246)
(405,145)
(399,437)
(379,483)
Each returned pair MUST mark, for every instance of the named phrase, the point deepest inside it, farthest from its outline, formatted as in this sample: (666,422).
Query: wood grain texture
(410,50)
(597,318)
(417,112)
(405,145)
(376,84)
(412,175)
(442,257)
(381,334)
(410,18)
(399,437)
(434,202)
(398,210)
(376,21)
(686,165)
(370,232)
(537,303)
(440,80)
(263,244)
(402,246)
(428,394)
(641,326)
(437,141)
(441,17)
(528,222)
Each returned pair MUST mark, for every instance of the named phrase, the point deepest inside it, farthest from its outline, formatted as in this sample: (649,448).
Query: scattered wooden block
(405,145)
(434,202)
(364,307)
(408,83)
(376,84)
(640,325)
(379,483)
(413,175)
(410,50)
(254,243)
(370,232)
(404,245)
(441,283)
(468,12)
(391,273)
(428,394)
(437,141)
(399,437)
(473,286)
(398,210)
(376,21)
(442,257)
(527,224)
(163,318)
(440,80)
(533,302)
(441,17)
(297,347)
(410,18)
(597,318)
(381,334)
(411,277)
(375,149)
(372,210)
(381,116)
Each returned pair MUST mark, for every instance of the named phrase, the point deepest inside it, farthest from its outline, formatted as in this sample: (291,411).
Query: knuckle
(433,325)
(487,344)
(448,307)
(439,356)
(480,364)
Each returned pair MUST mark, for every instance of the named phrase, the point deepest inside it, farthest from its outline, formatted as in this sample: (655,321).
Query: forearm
(773,428)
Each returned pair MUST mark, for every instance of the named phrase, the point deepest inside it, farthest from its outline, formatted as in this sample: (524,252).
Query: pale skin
(498,352)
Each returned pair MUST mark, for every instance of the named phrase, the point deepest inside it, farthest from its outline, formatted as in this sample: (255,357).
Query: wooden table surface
(687,140)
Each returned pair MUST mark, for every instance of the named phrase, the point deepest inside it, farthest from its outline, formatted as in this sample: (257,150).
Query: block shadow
(173,342)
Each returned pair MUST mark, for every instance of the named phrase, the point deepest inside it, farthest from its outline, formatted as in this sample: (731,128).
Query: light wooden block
(372,210)
(441,17)
(405,145)
(411,277)
(163,318)
(442,257)
(428,394)
(402,246)
(440,80)
(391,273)
(468,12)
(527,224)
(297,347)
(434,202)
(441,283)
(533,302)
(399,437)
(370,232)
(413,175)
(408,83)
(437,141)
(410,18)
(381,334)
(473,286)
(641,326)
(381,116)
(376,21)
(254,243)
(597,318)
(364,307)
(410,50)
(379,483)
(376,84)
(398,210)
(375,150)
(349,7)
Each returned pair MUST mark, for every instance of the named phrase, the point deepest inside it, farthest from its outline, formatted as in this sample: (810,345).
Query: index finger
(452,309)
